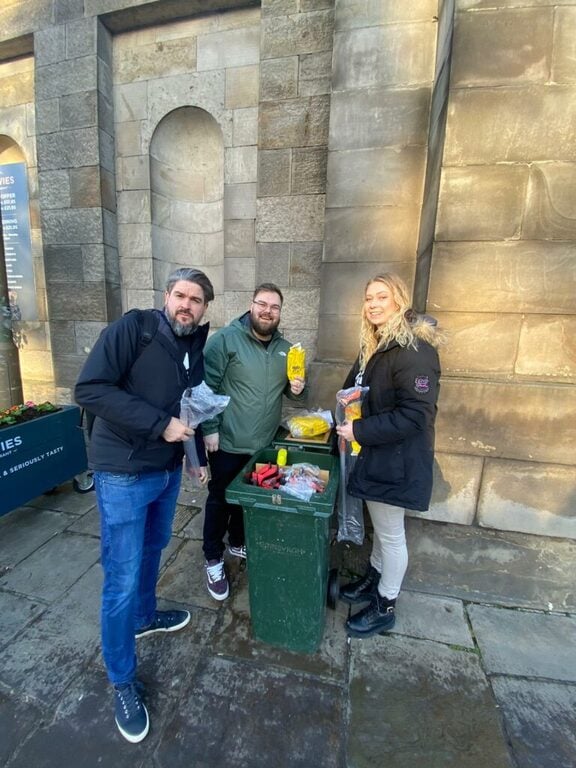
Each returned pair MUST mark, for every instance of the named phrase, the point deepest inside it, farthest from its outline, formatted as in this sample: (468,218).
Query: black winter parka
(396,431)
(134,391)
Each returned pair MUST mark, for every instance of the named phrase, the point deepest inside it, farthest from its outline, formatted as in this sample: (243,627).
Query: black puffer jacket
(396,430)
(135,391)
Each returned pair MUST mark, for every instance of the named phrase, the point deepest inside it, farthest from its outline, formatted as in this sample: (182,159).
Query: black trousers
(219,516)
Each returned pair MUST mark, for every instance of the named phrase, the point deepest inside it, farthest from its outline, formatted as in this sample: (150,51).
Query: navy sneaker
(131,714)
(165,621)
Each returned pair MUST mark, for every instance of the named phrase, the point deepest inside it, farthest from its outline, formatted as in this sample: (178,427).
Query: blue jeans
(136,516)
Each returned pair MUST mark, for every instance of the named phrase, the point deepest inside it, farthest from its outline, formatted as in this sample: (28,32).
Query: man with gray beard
(132,383)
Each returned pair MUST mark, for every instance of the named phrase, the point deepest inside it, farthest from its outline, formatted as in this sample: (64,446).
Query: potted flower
(25,412)
(41,446)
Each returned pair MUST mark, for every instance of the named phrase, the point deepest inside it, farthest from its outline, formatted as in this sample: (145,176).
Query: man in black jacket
(133,388)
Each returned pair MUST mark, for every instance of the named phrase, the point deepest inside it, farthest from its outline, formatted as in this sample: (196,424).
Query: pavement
(480,671)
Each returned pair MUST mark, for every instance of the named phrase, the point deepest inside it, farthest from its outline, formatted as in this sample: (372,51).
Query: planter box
(38,455)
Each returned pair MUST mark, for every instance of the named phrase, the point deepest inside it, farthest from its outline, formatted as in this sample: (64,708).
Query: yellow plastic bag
(354,411)
(296,362)
(308,425)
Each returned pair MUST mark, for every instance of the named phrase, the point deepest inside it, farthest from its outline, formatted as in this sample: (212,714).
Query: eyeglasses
(262,305)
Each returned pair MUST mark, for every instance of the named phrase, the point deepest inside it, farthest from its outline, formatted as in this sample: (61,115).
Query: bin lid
(240,490)
(323,443)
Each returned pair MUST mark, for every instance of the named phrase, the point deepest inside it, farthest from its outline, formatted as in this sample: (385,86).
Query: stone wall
(294,111)
(211,63)
(431,138)
(503,267)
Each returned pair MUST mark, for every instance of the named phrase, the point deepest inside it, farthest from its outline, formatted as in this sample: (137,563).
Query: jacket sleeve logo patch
(422,384)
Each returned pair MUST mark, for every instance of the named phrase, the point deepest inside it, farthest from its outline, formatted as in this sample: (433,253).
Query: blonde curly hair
(397,328)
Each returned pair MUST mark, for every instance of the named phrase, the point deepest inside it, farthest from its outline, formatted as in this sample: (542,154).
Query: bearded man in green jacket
(247,361)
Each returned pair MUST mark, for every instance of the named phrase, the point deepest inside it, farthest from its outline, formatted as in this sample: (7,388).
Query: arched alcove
(10,151)
(187,194)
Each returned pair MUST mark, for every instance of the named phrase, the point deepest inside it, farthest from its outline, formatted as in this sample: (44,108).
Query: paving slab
(419,704)
(45,657)
(184,581)
(64,499)
(525,643)
(190,496)
(540,720)
(52,569)
(417,698)
(183,515)
(18,720)
(170,551)
(82,731)
(24,530)
(432,618)
(166,660)
(17,612)
(233,637)
(88,523)
(194,527)
(487,566)
(240,714)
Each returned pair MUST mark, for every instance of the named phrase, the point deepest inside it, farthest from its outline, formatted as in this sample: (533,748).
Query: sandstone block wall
(294,112)
(431,138)
(502,273)
(382,76)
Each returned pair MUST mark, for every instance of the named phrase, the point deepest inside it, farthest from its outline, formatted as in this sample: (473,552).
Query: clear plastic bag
(309,423)
(302,480)
(350,508)
(349,407)
(197,405)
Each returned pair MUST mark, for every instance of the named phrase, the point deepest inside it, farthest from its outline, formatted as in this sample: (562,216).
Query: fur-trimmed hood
(425,327)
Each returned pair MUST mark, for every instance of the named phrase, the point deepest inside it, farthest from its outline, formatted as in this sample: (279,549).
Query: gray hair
(191,276)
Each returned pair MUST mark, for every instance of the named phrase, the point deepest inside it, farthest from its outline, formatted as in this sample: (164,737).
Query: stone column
(296,54)
(382,76)
(77,191)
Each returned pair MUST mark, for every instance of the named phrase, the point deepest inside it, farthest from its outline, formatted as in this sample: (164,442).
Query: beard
(178,328)
(264,329)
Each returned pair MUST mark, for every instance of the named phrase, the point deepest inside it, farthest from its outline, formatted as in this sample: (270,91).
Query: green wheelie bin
(288,559)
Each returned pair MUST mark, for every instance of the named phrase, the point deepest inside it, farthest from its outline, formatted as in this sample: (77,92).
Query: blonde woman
(398,361)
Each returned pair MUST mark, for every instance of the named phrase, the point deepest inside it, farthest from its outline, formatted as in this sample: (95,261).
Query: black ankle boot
(362,590)
(376,619)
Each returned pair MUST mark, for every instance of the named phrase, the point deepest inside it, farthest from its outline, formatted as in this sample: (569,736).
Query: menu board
(15,212)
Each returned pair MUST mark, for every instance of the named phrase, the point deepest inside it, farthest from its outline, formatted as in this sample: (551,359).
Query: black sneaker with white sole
(238,551)
(165,621)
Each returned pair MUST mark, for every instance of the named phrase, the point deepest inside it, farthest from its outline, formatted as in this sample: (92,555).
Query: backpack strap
(148,322)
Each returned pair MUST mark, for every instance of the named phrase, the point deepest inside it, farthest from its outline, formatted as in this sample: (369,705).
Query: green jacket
(254,376)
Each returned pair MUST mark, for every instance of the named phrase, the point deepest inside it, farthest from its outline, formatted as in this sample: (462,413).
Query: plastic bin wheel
(333,588)
(83,483)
